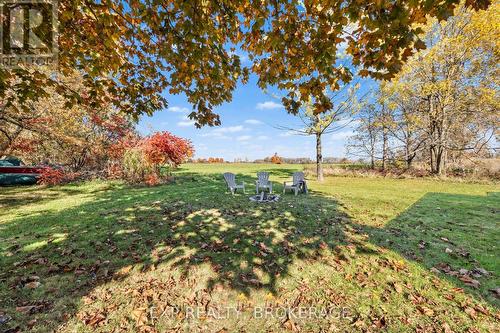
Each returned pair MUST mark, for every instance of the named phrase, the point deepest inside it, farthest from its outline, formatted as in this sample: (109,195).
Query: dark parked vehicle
(14,172)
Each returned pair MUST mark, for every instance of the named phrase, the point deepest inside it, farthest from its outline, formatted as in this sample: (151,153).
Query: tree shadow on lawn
(448,232)
(17,196)
(51,260)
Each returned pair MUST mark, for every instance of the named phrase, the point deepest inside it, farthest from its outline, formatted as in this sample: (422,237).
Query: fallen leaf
(380,323)
(41,261)
(435,270)
(447,328)
(96,319)
(289,325)
(25,309)
(482,309)
(398,288)
(87,300)
(471,312)
(443,267)
(470,282)
(140,316)
(426,311)
(495,292)
(32,285)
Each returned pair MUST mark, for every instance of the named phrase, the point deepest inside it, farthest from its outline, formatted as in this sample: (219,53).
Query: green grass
(112,257)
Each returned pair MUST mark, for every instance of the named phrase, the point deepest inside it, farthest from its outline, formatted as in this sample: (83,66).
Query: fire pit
(265,197)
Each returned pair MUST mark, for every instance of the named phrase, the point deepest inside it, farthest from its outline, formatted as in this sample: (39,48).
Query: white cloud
(341,135)
(244,138)
(262,137)
(178,109)
(185,123)
(253,122)
(214,135)
(221,132)
(269,105)
(230,129)
(286,134)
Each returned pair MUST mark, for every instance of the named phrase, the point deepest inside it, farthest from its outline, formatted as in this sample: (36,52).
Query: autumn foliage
(56,176)
(293,45)
(275,159)
(165,148)
(210,160)
(148,160)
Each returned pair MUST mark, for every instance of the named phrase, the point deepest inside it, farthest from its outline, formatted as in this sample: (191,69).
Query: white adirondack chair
(263,182)
(231,182)
(294,185)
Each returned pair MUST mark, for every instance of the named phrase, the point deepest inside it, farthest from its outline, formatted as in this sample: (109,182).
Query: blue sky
(247,130)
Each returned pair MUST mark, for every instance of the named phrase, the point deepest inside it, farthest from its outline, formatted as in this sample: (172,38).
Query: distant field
(241,168)
(104,256)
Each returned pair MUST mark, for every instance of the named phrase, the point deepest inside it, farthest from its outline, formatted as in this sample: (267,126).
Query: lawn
(356,254)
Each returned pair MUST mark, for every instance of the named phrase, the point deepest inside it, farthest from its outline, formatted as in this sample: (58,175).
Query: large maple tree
(130,51)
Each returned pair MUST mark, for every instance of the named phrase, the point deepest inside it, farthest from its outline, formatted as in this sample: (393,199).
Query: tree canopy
(130,51)
(443,104)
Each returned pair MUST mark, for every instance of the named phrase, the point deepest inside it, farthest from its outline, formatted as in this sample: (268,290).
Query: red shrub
(140,160)
(152,179)
(51,176)
(165,148)
(114,171)
(129,140)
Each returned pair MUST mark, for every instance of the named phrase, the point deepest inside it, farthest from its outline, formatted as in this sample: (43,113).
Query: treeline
(275,159)
(207,160)
(442,109)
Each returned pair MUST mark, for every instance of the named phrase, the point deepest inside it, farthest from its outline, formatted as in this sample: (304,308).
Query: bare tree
(366,140)
(345,105)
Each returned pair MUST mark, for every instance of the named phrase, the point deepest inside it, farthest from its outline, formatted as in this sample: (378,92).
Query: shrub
(150,159)
(152,179)
(165,148)
(275,159)
(51,176)
(135,168)
(114,170)
(55,176)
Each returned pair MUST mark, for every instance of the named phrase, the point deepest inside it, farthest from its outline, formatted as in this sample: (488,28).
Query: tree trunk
(439,161)
(319,158)
(409,160)
(384,148)
(432,159)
